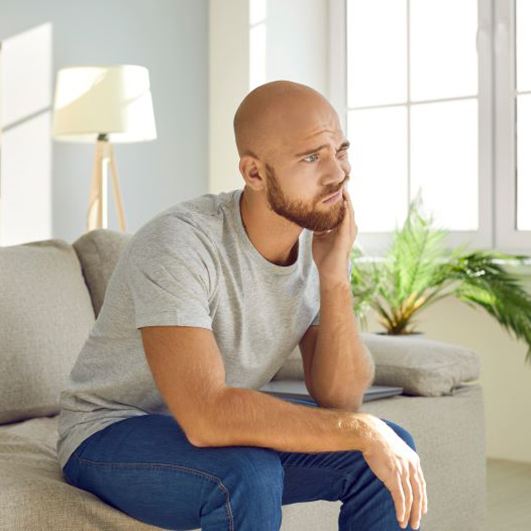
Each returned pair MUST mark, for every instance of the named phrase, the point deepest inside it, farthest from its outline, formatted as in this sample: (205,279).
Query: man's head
(278,128)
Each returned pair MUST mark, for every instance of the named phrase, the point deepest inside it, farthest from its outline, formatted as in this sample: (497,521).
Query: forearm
(342,367)
(248,417)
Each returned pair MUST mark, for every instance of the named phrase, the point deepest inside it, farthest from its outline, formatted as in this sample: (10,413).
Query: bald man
(163,417)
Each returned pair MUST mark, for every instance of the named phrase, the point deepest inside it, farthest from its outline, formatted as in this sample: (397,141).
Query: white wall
(228,84)
(170,38)
(297,49)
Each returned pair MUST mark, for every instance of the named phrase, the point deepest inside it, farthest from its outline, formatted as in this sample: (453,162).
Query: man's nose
(335,172)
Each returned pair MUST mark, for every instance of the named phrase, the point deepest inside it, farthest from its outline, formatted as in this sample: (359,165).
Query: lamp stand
(98,209)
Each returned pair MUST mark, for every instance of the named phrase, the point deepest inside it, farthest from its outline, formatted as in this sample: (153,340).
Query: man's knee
(402,433)
(246,492)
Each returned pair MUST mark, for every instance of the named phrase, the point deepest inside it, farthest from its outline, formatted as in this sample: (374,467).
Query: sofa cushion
(34,494)
(98,251)
(422,366)
(45,317)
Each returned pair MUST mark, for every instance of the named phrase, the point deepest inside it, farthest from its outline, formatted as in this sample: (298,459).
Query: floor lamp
(105,105)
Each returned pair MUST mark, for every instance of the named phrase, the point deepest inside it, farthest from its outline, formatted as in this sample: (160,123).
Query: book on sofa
(295,390)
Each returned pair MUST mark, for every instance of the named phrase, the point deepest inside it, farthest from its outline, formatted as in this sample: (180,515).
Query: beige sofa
(50,294)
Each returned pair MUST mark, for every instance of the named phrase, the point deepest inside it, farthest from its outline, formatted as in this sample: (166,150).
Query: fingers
(408,498)
(409,495)
(352,224)
(416,506)
(425,493)
(397,493)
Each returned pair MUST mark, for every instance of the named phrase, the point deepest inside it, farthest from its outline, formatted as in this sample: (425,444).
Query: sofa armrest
(421,366)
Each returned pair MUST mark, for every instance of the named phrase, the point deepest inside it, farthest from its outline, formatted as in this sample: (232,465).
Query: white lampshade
(113,100)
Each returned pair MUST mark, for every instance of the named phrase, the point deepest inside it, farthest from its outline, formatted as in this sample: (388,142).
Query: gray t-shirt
(191,265)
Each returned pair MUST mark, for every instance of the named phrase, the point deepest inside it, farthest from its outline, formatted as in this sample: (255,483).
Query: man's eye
(310,156)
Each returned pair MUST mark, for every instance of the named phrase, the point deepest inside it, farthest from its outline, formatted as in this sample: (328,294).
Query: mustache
(333,191)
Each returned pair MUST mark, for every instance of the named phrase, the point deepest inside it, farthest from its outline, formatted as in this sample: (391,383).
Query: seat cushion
(45,317)
(34,493)
(421,366)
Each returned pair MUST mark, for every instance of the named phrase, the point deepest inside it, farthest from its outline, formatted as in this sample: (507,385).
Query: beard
(315,216)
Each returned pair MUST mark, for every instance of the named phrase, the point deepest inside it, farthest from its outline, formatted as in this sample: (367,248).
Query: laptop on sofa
(295,390)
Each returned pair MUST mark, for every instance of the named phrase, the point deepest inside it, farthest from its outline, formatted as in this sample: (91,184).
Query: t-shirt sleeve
(315,322)
(170,274)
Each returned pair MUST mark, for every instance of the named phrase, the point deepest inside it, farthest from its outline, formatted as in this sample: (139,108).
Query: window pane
(378,179)
(523,147)
(376,52)
(523,45)
(257,56)
(443,48)
(444,161)
(257,11)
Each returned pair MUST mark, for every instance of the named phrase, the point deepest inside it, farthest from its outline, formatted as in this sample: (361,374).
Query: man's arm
(340,367)
(188,370)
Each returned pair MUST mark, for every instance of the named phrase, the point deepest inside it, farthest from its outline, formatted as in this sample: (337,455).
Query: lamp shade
(112,100)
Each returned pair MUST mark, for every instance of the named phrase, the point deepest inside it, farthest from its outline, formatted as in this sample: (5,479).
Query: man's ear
(252,172)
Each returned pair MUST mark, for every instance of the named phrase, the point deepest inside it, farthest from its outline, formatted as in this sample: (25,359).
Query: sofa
(51,292)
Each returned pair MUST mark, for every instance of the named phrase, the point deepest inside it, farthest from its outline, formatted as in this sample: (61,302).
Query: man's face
(305,179)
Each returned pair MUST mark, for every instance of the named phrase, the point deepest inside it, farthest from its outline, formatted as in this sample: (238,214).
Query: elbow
(347,403)
(194,437)
(195,440)
(211,423)
(200,424)
(351,401)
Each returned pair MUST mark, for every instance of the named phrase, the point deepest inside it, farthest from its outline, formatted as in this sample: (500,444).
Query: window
(416,83)
(513,124)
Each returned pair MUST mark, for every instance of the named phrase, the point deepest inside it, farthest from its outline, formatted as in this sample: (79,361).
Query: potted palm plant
(418,271)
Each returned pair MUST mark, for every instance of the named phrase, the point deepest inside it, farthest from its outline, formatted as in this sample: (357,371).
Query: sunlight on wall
(257,43)
(25,119)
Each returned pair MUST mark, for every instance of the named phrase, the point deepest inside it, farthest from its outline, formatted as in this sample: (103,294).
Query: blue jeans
(145,467)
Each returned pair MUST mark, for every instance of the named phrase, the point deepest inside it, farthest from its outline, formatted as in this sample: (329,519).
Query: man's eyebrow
(344,145)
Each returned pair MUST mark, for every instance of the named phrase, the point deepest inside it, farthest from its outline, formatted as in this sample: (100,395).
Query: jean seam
(200,473)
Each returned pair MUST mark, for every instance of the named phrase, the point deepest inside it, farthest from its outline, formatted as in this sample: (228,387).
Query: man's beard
(307,216)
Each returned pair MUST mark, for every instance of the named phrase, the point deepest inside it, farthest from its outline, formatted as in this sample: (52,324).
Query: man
(163,417)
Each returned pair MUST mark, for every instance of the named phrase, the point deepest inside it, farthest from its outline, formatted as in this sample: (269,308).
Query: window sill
(512,266)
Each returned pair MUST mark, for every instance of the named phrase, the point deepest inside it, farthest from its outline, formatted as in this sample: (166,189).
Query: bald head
(270,113)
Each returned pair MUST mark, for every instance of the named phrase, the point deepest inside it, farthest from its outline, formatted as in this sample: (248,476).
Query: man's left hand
(331,249)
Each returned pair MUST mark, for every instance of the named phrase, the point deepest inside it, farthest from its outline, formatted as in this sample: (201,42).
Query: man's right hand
(397,465)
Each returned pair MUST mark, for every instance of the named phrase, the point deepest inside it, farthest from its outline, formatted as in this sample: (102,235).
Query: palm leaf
(418,271)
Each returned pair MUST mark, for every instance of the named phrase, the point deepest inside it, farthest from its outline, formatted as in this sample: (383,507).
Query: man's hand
(397,465)
(331,249)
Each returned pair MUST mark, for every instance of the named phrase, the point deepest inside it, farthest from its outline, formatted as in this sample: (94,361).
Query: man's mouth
(333,198)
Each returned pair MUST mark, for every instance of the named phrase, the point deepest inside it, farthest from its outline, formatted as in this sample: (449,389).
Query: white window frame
(496,128)
(507,237)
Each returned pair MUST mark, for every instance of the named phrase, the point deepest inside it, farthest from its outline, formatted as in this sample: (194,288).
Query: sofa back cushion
(45,317)
(98,251)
